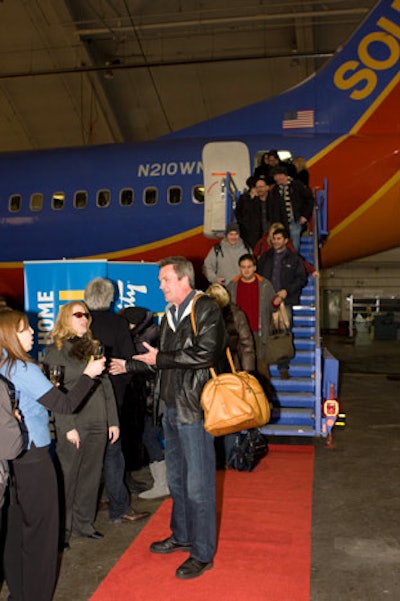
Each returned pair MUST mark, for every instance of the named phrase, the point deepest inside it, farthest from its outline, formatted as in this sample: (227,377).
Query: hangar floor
(356,499)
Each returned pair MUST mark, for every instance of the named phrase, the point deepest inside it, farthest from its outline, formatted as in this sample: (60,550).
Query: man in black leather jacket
(182,365)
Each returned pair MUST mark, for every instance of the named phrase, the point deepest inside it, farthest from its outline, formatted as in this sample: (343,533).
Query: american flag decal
(298,119)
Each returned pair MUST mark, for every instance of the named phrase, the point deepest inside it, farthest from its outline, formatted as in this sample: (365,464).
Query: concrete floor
(356,508)
(356,503)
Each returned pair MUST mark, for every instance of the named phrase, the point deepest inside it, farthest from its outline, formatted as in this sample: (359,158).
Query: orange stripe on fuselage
(359,164)
(359,167)
(374,227)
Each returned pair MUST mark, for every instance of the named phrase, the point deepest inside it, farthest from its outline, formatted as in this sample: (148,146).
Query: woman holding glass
(33,524)
(82,437)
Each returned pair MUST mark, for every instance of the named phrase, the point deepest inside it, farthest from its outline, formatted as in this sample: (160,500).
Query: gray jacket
(10,437)
(222,260)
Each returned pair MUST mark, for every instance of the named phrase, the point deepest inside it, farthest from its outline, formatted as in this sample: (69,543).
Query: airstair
(306,404)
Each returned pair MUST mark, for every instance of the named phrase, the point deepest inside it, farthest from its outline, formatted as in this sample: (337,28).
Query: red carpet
(264,544)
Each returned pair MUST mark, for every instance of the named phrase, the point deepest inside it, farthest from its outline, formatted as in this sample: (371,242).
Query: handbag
(232,401)
(248,450)
(279,344)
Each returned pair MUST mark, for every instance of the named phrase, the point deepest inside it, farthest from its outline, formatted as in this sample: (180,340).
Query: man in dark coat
(182,368)
(290,202)
(113,332)
(284,269)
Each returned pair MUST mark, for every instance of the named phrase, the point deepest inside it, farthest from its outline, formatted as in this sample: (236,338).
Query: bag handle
(280,319)
(227,350)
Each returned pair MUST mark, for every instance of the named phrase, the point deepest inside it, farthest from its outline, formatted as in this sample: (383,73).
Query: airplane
(145,201)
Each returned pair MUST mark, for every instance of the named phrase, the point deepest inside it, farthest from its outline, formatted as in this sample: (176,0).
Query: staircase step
(293,385)
(303,332)
(303,320)
(296,370)
(304,344)
(280,430)
(307,356)
(307,300)
(308,309)
(292,416)
(294,399)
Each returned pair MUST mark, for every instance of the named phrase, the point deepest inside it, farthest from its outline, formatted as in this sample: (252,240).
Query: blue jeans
(190,461)
(295,228)
(114,473)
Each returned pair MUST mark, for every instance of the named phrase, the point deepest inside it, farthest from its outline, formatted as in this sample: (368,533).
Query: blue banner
(137,286)
(50,284)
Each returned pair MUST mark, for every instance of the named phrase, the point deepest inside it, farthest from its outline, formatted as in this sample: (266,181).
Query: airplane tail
(333,100)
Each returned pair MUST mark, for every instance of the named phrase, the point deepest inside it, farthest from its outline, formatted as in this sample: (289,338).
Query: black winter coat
(293,274)
(190,355)
(302,201)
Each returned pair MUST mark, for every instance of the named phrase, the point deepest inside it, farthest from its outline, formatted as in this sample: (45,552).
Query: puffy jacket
(239,338)
(190,355)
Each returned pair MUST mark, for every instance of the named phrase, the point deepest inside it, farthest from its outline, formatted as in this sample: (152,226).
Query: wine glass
(55,374)
(98,349)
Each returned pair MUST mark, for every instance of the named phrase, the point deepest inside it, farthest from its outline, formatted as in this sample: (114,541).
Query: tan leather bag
(232,401)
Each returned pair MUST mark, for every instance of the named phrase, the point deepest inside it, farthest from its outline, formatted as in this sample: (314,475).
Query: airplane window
(14,203)
(80,199)
(150,196)
(126,197)
(36,202)
(58,201)
(174,195)
(198,194)
(103,198)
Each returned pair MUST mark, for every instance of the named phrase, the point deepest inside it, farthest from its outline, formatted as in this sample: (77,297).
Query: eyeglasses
(80,314)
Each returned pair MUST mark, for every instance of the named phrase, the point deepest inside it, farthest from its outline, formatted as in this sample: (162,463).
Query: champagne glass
(56,374)
(98,349)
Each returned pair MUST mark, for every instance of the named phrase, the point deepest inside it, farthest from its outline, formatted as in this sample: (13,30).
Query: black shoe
(191,568)
(169,546)
(95,535)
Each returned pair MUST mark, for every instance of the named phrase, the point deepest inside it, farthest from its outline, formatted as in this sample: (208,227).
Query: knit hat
(232,227)
(134,315)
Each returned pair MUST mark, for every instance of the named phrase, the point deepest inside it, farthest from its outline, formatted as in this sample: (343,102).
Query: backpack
(218,248)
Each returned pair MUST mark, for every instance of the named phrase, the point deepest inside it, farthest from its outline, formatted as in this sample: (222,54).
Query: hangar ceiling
(81,72)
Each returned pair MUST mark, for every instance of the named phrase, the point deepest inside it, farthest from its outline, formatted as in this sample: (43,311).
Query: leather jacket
(239,338)
(190,356)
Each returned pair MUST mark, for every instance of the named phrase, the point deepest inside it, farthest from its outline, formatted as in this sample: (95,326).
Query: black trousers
(31,546)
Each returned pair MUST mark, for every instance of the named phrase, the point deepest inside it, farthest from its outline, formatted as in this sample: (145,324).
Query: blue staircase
(296,403)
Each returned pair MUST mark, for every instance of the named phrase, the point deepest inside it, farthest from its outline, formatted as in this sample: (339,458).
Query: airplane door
(218,159)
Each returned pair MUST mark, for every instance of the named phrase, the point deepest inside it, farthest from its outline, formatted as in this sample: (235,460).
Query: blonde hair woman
(82,437)
(301,170)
